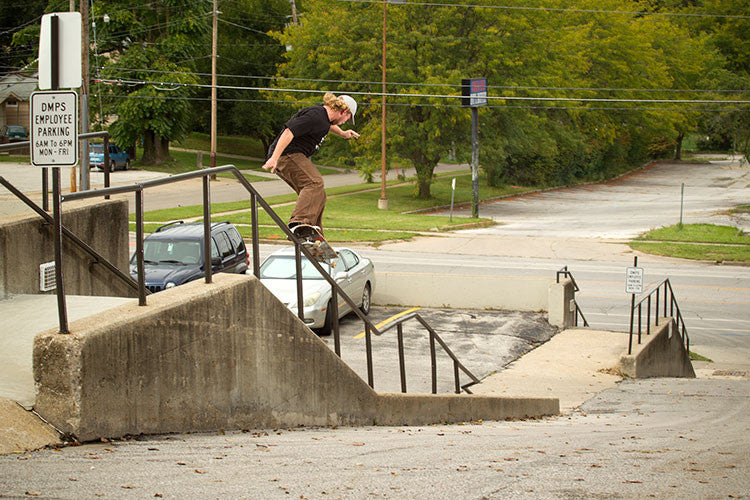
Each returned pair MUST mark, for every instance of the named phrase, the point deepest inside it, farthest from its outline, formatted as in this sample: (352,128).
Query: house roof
(18,86)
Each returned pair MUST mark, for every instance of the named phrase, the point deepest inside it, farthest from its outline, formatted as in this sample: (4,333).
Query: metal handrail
(398,323)
(300,249)
(45,175)
(663,300)
(564,272)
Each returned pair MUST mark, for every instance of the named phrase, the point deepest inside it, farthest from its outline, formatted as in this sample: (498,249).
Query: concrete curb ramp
(222,356)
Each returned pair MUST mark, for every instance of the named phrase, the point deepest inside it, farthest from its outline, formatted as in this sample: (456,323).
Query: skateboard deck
(314,242)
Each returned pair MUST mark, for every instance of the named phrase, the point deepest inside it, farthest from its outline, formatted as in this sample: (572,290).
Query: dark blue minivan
(173,255)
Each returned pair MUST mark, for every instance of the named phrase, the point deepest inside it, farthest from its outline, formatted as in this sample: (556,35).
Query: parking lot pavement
(483,341)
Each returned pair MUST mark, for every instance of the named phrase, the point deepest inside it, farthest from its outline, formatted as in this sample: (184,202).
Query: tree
(142,45)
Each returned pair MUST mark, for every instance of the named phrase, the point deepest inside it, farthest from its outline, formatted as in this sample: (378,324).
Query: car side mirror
(215,261)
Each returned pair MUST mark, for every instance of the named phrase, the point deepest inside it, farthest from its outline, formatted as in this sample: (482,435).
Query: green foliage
(523,53)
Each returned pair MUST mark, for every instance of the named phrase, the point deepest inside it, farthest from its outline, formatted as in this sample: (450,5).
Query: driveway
(626,207)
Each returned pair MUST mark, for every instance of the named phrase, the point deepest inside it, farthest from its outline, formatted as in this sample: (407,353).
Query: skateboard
(317,245)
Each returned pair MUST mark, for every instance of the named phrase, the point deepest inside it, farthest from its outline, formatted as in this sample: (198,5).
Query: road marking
(392,318)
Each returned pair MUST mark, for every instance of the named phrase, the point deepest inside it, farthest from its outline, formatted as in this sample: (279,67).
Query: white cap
(351,103)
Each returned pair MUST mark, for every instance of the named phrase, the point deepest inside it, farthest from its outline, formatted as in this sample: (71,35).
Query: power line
(553,9)
(430,96)
(412,84)
(430,105)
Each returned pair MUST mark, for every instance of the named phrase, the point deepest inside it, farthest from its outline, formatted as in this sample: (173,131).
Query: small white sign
(54,129)
(68,50)
(634,280)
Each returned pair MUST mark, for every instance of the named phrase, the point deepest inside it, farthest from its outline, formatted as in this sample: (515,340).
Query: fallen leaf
(33,493)
(128,486)
(200,471)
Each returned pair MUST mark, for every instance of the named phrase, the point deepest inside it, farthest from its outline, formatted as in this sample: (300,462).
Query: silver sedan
(353,273)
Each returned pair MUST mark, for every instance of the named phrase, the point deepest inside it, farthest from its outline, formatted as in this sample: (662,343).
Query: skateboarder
(289,155)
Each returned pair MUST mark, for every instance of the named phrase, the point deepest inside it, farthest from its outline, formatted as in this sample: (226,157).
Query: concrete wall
(660,354)
(223,355)
(518,293)
(26,241)
(562,309)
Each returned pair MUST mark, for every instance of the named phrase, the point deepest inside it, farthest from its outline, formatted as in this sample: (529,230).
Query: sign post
(54,119)
(474,92)
(633,286)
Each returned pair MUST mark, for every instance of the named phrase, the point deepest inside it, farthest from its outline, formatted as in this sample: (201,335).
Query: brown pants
(298,171)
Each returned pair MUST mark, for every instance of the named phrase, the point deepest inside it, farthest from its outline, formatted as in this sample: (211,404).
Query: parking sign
(54,129)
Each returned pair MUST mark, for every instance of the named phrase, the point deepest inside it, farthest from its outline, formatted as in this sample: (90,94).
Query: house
(15,91)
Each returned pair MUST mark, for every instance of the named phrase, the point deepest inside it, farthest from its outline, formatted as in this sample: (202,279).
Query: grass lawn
(353,215)
(697,242)
(244,146)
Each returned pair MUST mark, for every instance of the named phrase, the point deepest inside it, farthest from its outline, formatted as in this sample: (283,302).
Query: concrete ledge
(421,409)
(517,293)
(225,355)
(660,354)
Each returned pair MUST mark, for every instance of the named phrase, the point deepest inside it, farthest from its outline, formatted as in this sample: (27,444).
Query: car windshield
(16,129)
(172,252)
(283,268)
(96,148)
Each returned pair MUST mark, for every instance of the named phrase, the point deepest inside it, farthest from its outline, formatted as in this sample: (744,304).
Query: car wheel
(365,307)
(127,165)
(328,323)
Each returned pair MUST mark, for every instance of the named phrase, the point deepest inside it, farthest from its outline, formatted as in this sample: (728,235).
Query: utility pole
(85,174)
(294,11)
(73,180)
(383,201)
(214,44)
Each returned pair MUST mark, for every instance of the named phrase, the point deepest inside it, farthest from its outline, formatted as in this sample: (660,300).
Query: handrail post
(106,163)
(298,274)
(139,247)
(656,316)
(208,258)
(455,377)
(433,362)
(640,315)
(61,307)
(632,312)
(335,319)
(401,361)
(368,344)
(648,316)
(255,236)
(45,189)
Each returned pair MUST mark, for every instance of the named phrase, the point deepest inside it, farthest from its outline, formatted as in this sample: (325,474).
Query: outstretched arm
(283,142)
(346,134)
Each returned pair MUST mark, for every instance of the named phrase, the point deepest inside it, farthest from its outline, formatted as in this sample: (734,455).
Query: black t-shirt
(309,126)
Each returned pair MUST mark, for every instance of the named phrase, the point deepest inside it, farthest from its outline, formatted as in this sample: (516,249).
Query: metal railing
(45,170)
(255,200)
(564,272)
(457,365)
(660,298)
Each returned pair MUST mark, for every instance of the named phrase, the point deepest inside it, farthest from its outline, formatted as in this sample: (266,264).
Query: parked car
(117,157)
(354,274)
(173,255)
(13,133)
